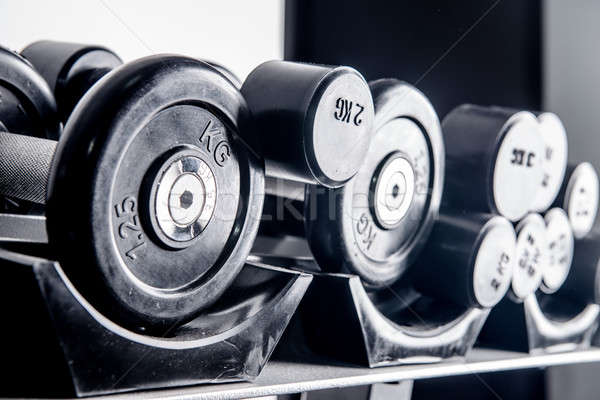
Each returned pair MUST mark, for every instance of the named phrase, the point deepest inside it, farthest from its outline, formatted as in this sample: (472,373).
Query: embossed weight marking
(555,159)
(26,107)
(532,256)
(383,216)
(579,197)
(560,250)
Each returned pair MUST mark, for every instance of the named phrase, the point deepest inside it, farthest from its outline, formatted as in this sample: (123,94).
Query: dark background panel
(485,52)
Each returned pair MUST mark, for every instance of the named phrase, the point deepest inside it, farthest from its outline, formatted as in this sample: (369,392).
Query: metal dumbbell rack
(284,377)
(233,339)
(280,378)
(287,378)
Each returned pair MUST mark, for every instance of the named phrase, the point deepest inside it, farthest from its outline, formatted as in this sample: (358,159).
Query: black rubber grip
(25,166)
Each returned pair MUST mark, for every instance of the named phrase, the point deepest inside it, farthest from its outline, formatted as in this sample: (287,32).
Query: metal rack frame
(284,377)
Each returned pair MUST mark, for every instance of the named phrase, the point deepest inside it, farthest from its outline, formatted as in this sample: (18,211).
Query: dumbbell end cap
(561,247)
(338,126)
(581,199)
(555,157)
(517,162)
(531,256)
(493,262)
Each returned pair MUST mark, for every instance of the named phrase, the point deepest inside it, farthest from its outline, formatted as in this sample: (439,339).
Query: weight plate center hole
(394,190)
(187,199)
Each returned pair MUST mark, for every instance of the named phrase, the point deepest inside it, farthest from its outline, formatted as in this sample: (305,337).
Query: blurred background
(533,54)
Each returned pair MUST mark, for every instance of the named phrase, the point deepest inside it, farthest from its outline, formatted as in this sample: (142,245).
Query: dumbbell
(582,285)
(578,196)
(554,162)
(531,256)
(27,105)
(312,123)
(152,200)
(70,69)
(468,260)
(554,157)
(493,160)
(560,250)
(376,225)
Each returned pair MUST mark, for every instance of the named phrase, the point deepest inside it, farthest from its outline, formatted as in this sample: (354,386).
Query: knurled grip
(25,166)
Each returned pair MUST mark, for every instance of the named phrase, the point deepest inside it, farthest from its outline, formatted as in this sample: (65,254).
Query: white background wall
(239,34)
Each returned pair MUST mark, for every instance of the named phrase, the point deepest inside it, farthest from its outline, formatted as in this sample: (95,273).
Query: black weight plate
(493,160)
(225,71)
(37,114)
(469,259)
(556,154)
(407,141)
(70,68)
(98,208)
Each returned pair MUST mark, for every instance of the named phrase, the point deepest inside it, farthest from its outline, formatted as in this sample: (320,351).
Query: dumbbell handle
(25,166)
(283,210)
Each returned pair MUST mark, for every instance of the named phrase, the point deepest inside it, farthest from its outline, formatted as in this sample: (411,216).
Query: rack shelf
(282,377)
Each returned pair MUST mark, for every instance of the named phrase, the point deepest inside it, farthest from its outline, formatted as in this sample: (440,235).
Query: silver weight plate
(532,255)
(554,162)
(560,250)
(518,166)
